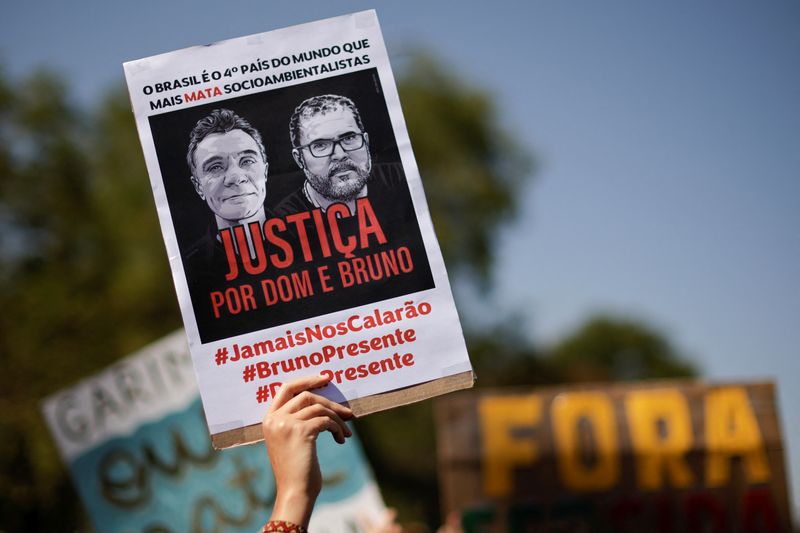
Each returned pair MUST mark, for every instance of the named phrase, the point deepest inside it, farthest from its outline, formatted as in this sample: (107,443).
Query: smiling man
(332,148)
(229,168)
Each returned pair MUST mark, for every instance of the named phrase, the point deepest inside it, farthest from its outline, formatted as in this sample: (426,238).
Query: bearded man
(332,149)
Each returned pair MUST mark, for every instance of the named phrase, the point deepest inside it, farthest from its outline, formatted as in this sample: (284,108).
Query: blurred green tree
(607,348)
(472,167)
(83,277)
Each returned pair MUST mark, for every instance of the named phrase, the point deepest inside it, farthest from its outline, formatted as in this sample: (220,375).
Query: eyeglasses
(325,147)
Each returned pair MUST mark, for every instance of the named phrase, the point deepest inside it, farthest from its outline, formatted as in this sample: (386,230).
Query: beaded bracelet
(282,526)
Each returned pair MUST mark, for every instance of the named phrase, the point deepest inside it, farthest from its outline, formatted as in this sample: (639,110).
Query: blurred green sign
(135,441)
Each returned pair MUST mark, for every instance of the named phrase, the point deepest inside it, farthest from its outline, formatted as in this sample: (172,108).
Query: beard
(334,188)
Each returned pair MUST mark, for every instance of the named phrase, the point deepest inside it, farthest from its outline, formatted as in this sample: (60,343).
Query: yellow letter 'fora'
(732,430)
(661,432)
(505,443)
(595,412)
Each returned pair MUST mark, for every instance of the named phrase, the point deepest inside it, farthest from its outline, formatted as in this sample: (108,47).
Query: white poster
(294,217)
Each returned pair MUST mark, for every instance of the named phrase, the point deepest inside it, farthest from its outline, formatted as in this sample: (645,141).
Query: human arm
(293,421)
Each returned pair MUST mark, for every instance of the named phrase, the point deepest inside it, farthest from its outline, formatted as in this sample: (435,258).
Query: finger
(296,386)
(306,398)
(323,423)
(317,410)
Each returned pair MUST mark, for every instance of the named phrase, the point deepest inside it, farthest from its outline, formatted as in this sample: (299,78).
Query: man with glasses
(335,153)
(332,148)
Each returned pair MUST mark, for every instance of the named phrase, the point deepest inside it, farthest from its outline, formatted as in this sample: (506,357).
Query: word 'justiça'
(327,228)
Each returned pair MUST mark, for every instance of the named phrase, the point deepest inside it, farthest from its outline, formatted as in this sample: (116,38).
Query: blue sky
(668,139)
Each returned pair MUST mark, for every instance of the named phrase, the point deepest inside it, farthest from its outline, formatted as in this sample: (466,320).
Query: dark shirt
(384,179)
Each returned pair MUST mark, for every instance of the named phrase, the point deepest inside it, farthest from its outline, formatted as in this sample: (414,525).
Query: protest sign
(139,453)
(666,456)
(295,222)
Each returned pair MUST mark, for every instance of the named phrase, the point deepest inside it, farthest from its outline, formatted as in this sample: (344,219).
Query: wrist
(293,506)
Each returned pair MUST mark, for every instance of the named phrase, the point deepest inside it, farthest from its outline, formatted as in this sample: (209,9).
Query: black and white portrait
(265,163)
